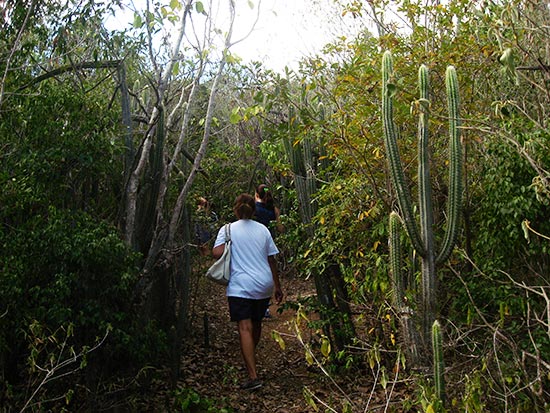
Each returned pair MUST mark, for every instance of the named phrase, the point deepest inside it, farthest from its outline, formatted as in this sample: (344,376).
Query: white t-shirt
(251,244)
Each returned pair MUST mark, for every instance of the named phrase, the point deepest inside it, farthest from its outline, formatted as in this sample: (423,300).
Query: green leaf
(309,399)
(347,407)
(175,4)
(507,57)
(277,337)
(371,362)
(138,22)
(200,7)
(525,228)
(176,68)
(309,357)
(325,347)
(69,396)
(384,379)
(392,89)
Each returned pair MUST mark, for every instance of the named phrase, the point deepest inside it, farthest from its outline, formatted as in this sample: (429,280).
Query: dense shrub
(68,270)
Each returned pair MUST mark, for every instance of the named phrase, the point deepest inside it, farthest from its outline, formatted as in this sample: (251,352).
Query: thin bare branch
(14,48)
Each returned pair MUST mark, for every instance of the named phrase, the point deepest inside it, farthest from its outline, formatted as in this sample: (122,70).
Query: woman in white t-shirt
(254,279)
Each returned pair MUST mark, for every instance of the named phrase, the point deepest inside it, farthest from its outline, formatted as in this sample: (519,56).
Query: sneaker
(252,384)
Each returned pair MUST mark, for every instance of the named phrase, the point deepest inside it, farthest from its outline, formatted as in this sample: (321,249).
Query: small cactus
(439,366)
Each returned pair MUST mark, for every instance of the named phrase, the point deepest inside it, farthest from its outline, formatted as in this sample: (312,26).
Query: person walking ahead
(254,279)
(266,211)
(267,214)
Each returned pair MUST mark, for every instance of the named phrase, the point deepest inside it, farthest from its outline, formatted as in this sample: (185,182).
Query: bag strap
(227,232)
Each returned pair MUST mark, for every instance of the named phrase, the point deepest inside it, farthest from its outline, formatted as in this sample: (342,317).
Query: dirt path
(216,371)
(212,367)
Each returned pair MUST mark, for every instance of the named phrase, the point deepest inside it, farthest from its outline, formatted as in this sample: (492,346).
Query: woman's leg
(256,332)
(248,341)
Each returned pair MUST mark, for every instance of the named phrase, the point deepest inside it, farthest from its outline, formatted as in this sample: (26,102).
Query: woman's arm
(278,292)
(218,251)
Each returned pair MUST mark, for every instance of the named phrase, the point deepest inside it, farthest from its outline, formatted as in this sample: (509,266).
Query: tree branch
(30,12)
(69,68)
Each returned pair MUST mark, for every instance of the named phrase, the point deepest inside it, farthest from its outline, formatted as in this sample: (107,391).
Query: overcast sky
(290,29)
(284,33)
(286,30)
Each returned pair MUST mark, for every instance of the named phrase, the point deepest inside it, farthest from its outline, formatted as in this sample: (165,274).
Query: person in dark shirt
(205,221)
(268,214)
(266,211)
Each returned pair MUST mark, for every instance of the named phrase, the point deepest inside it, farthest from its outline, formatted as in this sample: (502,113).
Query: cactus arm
(425,204)
(455,167)
(424,186)
(394,158)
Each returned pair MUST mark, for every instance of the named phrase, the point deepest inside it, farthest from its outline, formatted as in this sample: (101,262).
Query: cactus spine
(422,239)
(439,366)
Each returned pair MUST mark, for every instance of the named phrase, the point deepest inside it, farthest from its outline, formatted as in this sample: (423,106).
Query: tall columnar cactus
(329,283)
(422,238)
(439,366)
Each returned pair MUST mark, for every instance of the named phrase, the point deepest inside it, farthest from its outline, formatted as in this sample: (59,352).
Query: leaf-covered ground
(211,365)
(216,371)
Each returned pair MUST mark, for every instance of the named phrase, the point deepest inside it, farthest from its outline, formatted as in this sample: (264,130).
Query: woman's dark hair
(244,206)
(265,195)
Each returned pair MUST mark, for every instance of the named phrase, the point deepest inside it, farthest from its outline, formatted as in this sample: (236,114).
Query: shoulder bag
(220,271)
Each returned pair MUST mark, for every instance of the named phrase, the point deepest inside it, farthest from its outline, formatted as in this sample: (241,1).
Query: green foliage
(61,186)
(189,401)
(350,230)
(427,397)
(503,198)
(64,262)
(66,267)
(61,152)
(230,170)
(52,356)
(502,188)
(511,197)
(473,395)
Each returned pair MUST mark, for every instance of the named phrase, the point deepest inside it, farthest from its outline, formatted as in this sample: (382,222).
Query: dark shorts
(247,308)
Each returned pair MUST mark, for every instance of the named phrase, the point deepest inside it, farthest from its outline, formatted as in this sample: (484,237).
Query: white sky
(286,30)
(291,29)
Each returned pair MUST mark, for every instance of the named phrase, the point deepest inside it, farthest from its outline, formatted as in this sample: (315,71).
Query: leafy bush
(66,268)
